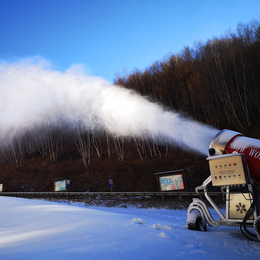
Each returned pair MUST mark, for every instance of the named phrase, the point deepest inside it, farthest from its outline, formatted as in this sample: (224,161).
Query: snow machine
(234,162)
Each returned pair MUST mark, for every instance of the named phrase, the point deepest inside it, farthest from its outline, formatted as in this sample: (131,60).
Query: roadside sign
(111,183)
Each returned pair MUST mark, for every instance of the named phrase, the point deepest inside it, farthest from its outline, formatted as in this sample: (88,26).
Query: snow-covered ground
(37,229)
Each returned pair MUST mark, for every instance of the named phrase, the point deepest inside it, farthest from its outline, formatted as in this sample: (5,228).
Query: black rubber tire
(257,227)
(197,225)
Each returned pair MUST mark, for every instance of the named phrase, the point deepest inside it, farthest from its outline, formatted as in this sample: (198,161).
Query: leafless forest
(216,82)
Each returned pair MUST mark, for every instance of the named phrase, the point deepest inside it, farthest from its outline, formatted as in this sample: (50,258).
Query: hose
(251,236)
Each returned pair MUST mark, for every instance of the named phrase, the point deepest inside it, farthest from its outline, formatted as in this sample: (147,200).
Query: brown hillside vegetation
(130,174)
(217,83)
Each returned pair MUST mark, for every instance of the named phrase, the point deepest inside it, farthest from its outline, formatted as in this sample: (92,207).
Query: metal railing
(109,195)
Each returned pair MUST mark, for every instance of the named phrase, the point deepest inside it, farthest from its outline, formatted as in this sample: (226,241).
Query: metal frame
(224,220)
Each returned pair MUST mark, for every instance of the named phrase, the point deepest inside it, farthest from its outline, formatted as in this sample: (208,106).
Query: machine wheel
(257,227)
(194,221)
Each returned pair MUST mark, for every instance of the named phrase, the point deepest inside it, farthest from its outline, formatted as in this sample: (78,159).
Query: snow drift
(34,229)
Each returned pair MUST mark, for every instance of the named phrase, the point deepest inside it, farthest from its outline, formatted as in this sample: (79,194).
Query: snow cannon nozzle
(228,142)
(212,151)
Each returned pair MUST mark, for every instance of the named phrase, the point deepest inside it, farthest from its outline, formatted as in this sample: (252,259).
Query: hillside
(130,174)
(216,83)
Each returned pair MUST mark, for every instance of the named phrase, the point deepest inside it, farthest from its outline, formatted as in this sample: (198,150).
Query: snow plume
(32,94)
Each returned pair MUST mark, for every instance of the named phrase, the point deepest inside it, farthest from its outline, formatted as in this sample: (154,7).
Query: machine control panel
(229,169)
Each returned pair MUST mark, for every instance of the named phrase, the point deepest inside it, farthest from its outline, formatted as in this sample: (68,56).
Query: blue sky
(112,36)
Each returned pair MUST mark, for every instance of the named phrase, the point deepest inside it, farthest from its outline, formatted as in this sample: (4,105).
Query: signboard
(60,185)
(111,183)
(172,182)
(1,187)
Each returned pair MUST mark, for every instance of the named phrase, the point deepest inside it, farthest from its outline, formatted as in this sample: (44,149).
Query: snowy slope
(36,229)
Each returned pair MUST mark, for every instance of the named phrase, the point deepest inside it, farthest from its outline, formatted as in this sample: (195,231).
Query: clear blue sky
(109,36)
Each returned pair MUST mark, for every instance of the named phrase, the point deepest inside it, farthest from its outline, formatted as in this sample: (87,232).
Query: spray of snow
(32,93)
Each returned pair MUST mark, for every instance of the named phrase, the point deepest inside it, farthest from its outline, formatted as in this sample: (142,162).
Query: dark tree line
(51,140)
(217,82)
